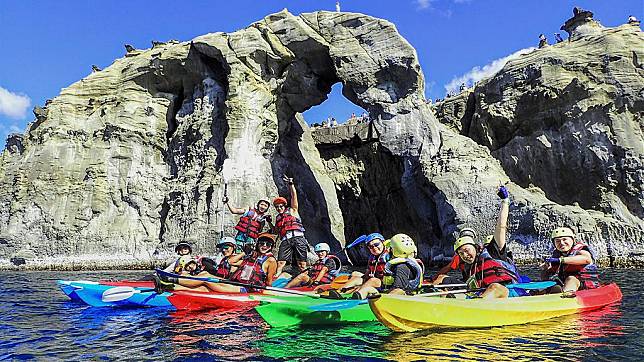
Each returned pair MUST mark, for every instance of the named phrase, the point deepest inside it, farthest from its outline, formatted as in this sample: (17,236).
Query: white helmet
(322,247)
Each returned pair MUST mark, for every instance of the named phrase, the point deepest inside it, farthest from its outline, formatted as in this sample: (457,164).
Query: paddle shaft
(223,210)
(240,284)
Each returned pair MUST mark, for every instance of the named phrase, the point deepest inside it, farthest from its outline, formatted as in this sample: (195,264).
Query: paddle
(360,239)
(118,294)
(350,303)
(239,284)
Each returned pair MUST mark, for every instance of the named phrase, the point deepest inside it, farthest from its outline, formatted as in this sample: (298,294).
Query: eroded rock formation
(129,160)
(567,120)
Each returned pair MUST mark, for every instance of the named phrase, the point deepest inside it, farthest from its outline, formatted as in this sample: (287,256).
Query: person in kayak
(403,274)
(571,264)
(257,268)
(229,261)
(441,276)
(372,277)
(288,226)
(322,272)
(490,266)
(251,223)
(183,249)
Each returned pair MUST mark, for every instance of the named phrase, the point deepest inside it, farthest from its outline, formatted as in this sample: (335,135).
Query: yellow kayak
(403,313)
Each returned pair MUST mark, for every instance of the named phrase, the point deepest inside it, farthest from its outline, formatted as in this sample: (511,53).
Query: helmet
(467,232)
(183,244)
(463,241)
(264,199)
(488,239)
(374,236)
(322,247)
(226,240)
(402,246)
(266,237)
(184,260)
(560,232)
(279,200)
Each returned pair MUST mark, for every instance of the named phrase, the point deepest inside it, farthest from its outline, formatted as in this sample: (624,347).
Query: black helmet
(183,244)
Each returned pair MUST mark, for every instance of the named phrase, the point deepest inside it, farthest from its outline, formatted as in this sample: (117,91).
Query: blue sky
(48,45)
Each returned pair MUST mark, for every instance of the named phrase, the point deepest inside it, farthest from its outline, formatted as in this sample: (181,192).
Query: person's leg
(369,287)
(494,291)
(298,280)
(202,288)
(283,255)
(300,249)
(222,288)
(571,284)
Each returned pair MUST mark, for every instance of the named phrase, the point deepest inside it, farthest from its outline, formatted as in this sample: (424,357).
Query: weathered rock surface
(567,120)
(131,159)
(128,161)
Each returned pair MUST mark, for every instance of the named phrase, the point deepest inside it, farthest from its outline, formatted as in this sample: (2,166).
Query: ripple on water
(38,322)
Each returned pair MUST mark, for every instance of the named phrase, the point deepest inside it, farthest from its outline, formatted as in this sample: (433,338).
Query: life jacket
(587,274)
(287,222)
(223,268)
(376,265)
(316,269)
(251,223)
(487,270)
(250,271)
(417,269)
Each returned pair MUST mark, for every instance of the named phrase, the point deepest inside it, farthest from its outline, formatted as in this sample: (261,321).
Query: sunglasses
(264,243)
(225,247)
(374,245)
(280,206)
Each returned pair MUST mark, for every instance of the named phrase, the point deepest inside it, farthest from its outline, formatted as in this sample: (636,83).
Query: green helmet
(463,241)
(402,246)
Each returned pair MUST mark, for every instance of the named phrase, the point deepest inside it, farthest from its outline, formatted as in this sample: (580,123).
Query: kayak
(284,311)
(412,313)
(69,287)
(191,300)
(196,300)
(96,294)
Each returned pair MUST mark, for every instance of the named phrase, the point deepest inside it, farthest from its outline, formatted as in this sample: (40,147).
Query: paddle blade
(532,285)
(340,281)
(357,241)
(118,294)
(344,304)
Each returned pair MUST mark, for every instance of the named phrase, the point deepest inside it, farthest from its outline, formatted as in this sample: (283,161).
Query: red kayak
(192,300)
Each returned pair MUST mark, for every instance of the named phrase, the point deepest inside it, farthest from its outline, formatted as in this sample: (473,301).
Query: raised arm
(232,209)
(501,229)
(291,187)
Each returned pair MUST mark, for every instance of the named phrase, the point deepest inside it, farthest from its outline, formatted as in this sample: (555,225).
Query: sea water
(38,322)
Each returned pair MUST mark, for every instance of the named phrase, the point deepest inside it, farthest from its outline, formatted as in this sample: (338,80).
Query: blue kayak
(98,294)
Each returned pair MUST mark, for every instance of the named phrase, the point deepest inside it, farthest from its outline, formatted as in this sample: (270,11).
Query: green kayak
(284,311)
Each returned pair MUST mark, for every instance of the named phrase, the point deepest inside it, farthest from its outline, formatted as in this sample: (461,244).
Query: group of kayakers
(487,267)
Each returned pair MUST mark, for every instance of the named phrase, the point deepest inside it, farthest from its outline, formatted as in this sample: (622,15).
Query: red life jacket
(251,223)
(316,269)
(487,270)
(223,269)
(587,274)
(287,222)
(250,271)
(376,265)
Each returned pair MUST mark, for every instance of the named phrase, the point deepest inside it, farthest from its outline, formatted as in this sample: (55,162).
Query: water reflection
(226,334)
(564,338)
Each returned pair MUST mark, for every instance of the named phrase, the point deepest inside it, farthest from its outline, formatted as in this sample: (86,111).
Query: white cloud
(424,4)
(13,105)
(477,73)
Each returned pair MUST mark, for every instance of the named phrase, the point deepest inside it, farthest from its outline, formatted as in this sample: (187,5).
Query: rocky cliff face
(131,159)
(567,120)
